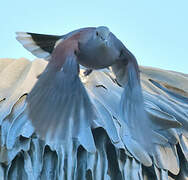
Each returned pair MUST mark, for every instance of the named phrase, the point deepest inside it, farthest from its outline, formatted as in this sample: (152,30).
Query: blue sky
(156,32)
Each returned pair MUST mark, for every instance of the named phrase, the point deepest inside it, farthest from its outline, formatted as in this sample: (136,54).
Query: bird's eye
(97,33)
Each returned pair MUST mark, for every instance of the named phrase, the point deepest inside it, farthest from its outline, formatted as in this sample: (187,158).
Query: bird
(59,97)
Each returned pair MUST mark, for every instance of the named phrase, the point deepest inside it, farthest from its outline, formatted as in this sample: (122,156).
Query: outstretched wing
(42,45)
(59,101)
(140,133)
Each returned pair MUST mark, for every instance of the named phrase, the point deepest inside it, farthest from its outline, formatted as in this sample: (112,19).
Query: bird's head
(102,34)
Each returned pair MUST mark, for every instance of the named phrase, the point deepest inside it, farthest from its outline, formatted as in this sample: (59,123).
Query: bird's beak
(106,42)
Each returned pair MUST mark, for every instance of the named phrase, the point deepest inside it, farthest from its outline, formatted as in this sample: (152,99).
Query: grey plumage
(56,99)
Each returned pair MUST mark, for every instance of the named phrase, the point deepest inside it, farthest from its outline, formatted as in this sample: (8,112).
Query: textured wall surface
(100,153)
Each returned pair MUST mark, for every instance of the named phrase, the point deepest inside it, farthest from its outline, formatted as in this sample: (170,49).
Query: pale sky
(155,31)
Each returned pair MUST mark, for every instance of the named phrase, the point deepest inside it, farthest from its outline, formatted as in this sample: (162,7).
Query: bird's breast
(97,56)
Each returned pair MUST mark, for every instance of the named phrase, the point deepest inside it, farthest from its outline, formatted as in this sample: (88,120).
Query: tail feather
(40,45)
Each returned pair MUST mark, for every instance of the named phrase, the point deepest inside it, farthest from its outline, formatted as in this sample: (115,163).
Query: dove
(59,97)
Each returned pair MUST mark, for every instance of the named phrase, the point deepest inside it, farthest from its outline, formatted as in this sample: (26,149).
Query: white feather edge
(28,43)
